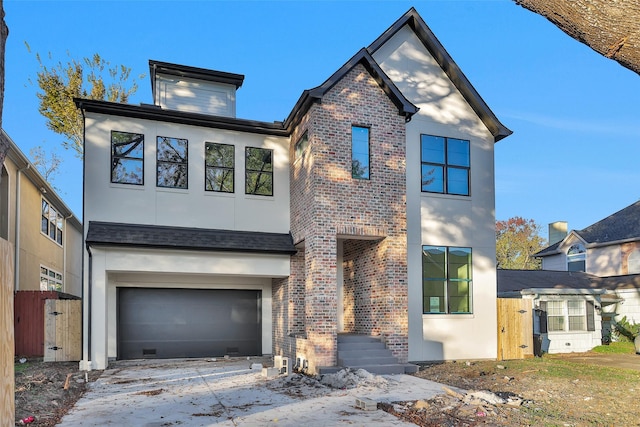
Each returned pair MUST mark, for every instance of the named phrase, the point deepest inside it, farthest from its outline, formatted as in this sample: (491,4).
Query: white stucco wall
(434,219)
(192,207)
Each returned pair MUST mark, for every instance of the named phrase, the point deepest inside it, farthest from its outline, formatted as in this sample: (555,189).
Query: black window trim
(134,158)
(368,128)
(232,169)
(445,166)
(446,283)
(185,163)
(247,170)
(297,151)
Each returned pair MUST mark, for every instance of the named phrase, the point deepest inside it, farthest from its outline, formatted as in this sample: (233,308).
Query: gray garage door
(168,323)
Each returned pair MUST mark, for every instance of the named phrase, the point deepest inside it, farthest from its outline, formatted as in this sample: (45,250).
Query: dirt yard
(47,391)
(549,391)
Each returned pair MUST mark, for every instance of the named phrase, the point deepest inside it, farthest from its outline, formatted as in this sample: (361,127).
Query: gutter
(16,258)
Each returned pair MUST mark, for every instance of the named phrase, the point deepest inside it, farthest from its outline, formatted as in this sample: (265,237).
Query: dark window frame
(49,224)
(446,166)
(260,172)
(184,163)
(116,158)
(447,282)
(353,159)
(231,169)
(301,145)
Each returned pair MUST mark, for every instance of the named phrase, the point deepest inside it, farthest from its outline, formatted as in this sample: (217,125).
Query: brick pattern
(327,203)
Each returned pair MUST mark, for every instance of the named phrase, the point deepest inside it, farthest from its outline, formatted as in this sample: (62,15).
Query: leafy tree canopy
(517,239)
(90,78)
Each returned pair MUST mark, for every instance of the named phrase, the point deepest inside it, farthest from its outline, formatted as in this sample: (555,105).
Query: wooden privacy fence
(515,328)
(7,379)
(62,330)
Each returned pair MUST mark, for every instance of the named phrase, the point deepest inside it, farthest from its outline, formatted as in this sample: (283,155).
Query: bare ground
(549,391)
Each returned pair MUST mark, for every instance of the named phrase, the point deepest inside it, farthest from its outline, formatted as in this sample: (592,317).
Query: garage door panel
(168,323)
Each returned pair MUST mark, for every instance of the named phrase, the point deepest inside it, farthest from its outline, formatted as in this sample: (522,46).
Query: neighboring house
(369,210)
(602,259)
(610,247)
(567,306)
(46,235)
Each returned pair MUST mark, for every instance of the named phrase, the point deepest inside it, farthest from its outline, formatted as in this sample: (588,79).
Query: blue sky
(575,150)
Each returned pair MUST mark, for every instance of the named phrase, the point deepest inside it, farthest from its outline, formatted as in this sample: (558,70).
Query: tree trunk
(4,33)
(610,27)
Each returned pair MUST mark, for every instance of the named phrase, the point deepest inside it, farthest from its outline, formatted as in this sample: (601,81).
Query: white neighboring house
(609,249)
(369,210)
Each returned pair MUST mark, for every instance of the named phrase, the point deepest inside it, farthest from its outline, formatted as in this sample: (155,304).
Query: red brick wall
(327,204)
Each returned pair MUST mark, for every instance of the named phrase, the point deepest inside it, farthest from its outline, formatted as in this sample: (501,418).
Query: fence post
(7,375)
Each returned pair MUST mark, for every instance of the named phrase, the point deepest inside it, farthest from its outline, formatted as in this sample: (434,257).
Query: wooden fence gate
(62,330)
(515,328)
(7,376)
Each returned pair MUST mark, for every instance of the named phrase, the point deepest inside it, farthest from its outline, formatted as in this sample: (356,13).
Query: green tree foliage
(89,78)
(517,239)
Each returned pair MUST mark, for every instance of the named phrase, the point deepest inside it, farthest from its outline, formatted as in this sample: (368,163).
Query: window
(259,171)
(566,315)
(359,152)
(51,222)
(633,262)
(446,279)
(445,165)
(219,161)
(50,280)
(172,162)
(576,258)
(301,145)
(127,158)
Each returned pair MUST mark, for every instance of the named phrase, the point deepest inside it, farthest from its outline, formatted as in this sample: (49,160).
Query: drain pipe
(16,258)
(87,300)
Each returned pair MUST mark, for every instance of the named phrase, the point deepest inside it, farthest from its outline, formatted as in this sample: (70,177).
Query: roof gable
(363,57)
(448,65)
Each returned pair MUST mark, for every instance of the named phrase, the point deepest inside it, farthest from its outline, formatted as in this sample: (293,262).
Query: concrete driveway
(227,392)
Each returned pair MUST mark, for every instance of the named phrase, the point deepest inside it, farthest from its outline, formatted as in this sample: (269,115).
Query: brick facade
(367,217)
(625,250)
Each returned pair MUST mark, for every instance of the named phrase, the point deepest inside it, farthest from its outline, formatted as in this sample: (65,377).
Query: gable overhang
(156,113)
(559,247)
(448,65)
(364,58)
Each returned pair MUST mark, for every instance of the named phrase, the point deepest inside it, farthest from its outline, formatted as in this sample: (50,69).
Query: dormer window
(633,262)
(577,258)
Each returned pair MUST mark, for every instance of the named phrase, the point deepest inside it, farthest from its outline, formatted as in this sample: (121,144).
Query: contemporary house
(368,211)
(46,235)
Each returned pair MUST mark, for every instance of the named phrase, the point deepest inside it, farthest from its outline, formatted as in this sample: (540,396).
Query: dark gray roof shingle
(157,236)
(518,280)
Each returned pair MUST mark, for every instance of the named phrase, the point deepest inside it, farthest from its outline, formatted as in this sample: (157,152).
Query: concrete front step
(378,352)
(351,338)
(360,346)
(367,360)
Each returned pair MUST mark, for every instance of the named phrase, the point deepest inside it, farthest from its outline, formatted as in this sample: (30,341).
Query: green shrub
(625,331)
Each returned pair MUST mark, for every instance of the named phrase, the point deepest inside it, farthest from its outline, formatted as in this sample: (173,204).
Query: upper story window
(219,161)
(446,280)
(50,280)
(445,165)
(51,222)
(258,171)
(172,162)
(127,158)
(360,152)
(301,145)
(633,262)
(577,258)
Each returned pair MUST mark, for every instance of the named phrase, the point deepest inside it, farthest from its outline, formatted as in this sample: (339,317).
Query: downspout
(16,258)
(64,255)
(89,277)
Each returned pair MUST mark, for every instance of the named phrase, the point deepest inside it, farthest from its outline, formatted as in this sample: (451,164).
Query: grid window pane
(259,171)
(446,279)
(127,158)
(445,165)
(219,162)
(172,162)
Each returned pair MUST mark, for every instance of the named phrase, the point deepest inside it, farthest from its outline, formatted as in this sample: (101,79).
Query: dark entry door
(170,323)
